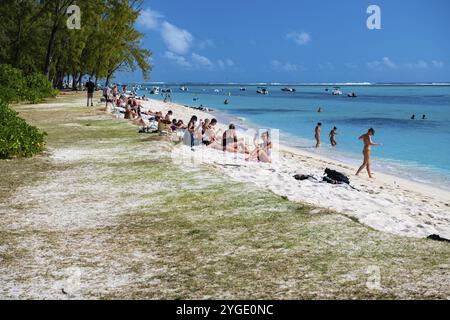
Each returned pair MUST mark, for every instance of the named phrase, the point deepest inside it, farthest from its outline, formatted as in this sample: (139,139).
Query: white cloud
(150,19)
(227,63)
(177,40)
(418,65)
(201,61)
(382,64)
(388,63)
(286,66)
(179,60)
(300,38)
(437,64)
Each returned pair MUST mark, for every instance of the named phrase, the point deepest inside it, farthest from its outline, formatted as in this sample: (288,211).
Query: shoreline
(387,203)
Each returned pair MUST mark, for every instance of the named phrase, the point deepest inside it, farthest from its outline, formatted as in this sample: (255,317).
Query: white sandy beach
(386,203)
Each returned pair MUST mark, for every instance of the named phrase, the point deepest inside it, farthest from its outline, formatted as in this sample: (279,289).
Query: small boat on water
(166,90)
(226,101)
(216,90)
(242,89)
(184,88)
(337,91)
(352,95)
(262,91)
(288,89)
(155,90)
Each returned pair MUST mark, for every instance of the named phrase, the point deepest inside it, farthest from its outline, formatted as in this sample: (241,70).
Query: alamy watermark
(373,278)
(74,20)
(374,20)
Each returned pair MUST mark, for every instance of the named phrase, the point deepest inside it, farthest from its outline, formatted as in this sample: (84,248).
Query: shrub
(12,84)
(38,88)
(15,87)
(18,138)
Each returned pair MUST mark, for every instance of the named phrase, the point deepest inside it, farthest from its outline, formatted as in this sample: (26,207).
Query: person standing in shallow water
(317,134)
(367,139)
(333,133)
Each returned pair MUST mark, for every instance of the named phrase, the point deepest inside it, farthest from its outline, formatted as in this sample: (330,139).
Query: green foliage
(34,38)
(12,83)
(37,88)
(15,87)
(18,138)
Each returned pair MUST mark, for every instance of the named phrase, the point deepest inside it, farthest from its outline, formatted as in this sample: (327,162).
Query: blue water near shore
(415,149)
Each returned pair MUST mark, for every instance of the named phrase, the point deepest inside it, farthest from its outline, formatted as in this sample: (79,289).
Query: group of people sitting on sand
(194,133)
(228,140)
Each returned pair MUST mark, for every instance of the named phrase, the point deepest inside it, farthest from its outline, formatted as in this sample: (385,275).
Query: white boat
(288,89)
(216,90)
(262,91)
(337,92)
(242,89)
(184,88)
(155,90)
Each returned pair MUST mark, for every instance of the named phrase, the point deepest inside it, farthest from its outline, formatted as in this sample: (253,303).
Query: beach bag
(337,176)
(436,237)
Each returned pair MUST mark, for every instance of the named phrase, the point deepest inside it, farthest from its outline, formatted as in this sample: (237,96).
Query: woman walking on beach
(367,139)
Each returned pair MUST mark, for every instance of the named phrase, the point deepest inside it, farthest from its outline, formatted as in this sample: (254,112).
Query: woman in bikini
(263,150)
(367,139)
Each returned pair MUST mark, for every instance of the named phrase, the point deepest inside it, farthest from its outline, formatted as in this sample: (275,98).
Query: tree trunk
(74,81)
(51,43)
(18,47)
(107,79)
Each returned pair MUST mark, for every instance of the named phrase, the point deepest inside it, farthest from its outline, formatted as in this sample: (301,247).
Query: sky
(300,41)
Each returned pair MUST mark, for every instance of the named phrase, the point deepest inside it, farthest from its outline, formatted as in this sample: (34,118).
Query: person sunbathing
(164,126)
(231,143)
(174,126)
(263,149)
(180,124)
(210,137)
(169,115)
(128,112)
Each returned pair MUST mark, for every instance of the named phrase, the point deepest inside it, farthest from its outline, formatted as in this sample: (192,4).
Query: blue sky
(295,41)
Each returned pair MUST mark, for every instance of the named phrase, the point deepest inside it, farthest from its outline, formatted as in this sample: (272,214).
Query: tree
(34,36)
